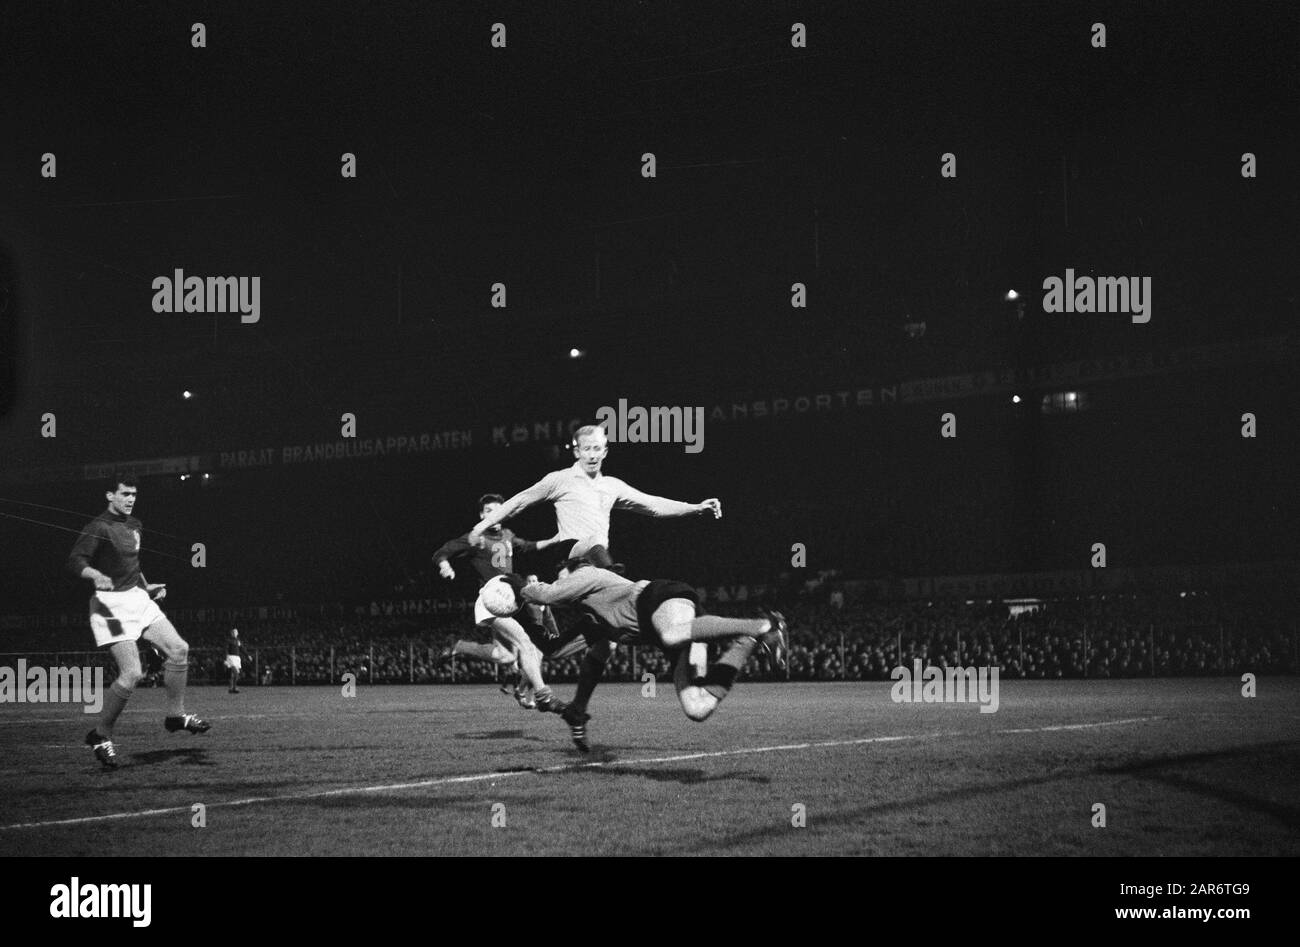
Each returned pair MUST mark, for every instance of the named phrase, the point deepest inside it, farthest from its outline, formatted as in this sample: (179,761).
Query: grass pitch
(1183,767)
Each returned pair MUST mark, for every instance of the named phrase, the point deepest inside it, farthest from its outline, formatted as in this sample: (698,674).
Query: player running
(491,554)
(667,614)
(123,608)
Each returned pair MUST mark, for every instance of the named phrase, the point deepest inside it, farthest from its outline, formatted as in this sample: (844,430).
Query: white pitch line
(563,767)
(1081,726)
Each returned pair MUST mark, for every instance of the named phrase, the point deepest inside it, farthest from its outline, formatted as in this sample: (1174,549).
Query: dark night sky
(522,165)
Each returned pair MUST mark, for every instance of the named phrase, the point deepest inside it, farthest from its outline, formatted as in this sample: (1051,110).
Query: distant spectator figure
(266,677)
(233,659)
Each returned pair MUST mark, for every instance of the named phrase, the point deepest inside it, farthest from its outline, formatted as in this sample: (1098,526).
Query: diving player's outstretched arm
(569,589)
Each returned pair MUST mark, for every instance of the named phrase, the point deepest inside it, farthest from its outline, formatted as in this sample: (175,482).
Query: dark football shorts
(654,595)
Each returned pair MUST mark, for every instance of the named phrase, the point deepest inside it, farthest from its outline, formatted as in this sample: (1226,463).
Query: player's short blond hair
(589,430)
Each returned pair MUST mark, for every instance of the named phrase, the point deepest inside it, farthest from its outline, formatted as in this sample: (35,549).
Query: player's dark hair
(487,498)
(120,478)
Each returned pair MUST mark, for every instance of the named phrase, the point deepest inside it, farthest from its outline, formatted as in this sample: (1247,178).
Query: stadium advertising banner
(794,404)
(990,586)
(1179,578)
(1048,584)
(383,608)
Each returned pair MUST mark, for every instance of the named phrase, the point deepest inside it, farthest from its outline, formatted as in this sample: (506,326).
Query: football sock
(593,666)
(475,649)
(177,673)
(530,669)
(114,703)
(707,627)
(722,675)
(502,655)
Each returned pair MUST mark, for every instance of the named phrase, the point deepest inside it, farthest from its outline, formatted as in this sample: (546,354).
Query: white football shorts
(122,616)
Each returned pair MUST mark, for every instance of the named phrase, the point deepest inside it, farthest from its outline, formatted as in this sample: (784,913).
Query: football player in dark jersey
(491,554)
(123,609)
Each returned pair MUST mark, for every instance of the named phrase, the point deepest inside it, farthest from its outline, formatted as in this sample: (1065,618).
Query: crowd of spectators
(1124,636)
(1094,637)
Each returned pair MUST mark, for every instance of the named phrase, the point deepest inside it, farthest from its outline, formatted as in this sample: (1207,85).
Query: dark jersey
(492,555)
(232,646)
(608,596)
(111,544)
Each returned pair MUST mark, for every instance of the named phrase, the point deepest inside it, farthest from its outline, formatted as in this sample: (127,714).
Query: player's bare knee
(698,703)
(676,634)
(129,680)
(179,652)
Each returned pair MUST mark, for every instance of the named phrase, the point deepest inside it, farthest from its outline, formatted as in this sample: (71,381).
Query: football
(499,597)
